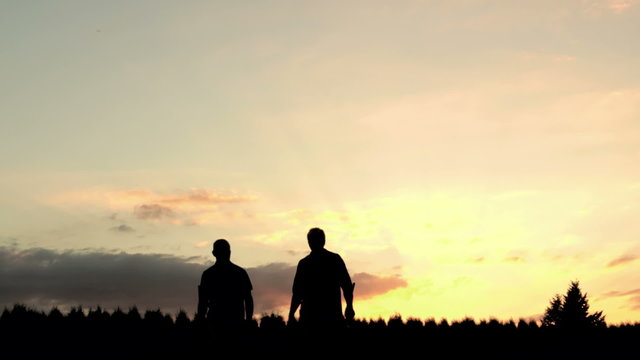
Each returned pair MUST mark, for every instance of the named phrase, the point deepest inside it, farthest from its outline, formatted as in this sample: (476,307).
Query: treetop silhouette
(571,311)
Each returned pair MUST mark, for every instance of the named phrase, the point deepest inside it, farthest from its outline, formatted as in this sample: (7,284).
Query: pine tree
(553,313)
(571,311)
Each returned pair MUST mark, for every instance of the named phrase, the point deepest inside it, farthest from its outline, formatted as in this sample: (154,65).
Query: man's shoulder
(321,256)
(305,259)
(237,271)
(208,275)
(208,271)
(237,268)
(331,255)
(217,271)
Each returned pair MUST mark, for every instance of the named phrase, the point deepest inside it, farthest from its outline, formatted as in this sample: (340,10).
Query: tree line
(566,327)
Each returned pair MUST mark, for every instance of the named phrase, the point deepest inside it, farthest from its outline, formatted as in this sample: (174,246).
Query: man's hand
(349,314)
(292,319)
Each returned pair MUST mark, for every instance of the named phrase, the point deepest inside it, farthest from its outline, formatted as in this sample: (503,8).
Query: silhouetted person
(224,294)
(316,287)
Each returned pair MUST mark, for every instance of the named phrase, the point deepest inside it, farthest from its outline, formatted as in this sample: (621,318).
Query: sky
(465,158)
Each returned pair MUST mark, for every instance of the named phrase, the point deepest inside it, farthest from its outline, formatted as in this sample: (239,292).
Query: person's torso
(226,286)
(321,297)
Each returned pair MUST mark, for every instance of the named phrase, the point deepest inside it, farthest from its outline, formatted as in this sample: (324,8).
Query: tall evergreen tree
(571,311)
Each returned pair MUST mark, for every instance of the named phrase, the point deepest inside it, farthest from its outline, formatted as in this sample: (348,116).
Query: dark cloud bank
(44,278)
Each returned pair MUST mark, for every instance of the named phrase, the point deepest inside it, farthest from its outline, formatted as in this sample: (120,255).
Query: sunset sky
(465,158)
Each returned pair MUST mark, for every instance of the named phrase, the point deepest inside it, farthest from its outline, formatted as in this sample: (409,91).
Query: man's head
(316,239)
(221,249)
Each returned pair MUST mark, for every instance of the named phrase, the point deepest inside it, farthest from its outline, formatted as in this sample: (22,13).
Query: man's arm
(296,298)
(203,301)
(248,305)
(295,303)
(347,290)
(248,298)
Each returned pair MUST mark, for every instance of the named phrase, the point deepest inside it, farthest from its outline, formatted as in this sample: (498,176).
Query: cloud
(44,278)
(368,285)
(126,198)
(622,260)
(621,293)
(201,196)
(298,253)
(194,206)
(619,6)
(153,212)
(600,7)
(122,228)
(272,286)
(203,244)
(633,301)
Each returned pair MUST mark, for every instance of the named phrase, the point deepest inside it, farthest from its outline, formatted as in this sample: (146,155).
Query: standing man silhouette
(224,294)
(316,287)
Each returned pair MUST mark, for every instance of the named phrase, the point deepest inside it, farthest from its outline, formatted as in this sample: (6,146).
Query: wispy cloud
(203,244)
(619,6)
(622,260)
(194,206)
(633,300)
(293,252)
(621,293)
(601,7)
(192,197)
(123,228)
(127,198)
(515,259)
(153,212)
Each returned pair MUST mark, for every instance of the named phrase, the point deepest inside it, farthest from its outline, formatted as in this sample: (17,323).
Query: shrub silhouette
(571,311)
(430,324)
(395,322)
(182,320)
(523,325)
(272,321)
(414,323)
